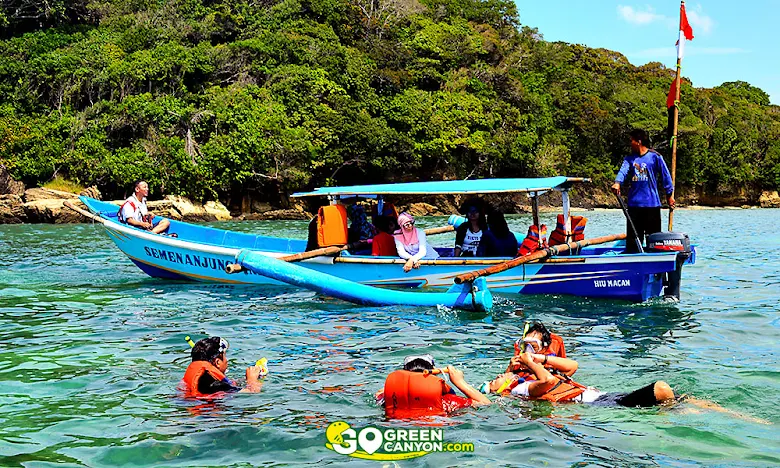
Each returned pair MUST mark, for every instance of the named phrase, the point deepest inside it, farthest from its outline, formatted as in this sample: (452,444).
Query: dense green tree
(212,98)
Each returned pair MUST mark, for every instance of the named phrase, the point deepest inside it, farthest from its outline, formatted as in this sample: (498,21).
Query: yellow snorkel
(504,386)
(262,363)
(189,341)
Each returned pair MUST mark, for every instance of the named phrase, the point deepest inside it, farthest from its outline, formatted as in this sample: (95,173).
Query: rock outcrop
(11,210)
(182,209)
(40,193)
(52,211)
(769,200)
(91,192)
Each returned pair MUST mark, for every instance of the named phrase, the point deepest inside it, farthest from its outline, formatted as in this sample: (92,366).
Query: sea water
(91,352)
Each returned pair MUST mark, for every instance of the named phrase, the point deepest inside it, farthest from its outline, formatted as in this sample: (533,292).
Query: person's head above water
(213,350)
(419,363)
(537,338)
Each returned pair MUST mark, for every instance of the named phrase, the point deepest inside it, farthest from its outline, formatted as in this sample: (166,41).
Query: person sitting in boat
(416,392)
(383,244)
(469,234)
(498,240)
(359,227)
(134,212)
(411,244)
(206,373)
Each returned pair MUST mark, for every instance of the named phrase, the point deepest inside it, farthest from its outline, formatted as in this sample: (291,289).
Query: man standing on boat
(133,211)
(641,169)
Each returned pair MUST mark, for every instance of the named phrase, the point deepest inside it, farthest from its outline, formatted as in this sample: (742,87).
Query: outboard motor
(671,242)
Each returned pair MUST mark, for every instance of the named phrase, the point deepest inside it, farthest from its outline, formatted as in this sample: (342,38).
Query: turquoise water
(91,351)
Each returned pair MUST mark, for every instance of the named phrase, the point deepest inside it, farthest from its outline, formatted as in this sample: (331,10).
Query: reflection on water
(91,351)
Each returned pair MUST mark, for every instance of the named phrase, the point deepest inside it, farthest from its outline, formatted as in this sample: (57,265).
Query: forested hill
(214,99)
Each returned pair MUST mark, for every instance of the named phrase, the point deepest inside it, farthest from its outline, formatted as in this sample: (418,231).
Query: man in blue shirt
(641,170)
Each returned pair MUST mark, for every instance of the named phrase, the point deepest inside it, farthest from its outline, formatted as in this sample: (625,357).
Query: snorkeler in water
(206,373)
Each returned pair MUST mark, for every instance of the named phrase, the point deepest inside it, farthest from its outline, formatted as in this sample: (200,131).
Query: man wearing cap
(416,392)
(206,373)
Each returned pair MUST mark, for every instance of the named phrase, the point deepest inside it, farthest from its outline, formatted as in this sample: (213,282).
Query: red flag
(685,27)
(672,96)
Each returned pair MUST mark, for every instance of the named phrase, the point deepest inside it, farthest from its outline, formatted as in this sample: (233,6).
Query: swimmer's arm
(544,382)
(565,365)
(253,383)
(456,378)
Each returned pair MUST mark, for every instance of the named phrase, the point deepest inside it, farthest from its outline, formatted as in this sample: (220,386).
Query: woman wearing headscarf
(411,244)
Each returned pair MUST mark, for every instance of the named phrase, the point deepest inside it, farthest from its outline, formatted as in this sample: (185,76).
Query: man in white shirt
(133,211)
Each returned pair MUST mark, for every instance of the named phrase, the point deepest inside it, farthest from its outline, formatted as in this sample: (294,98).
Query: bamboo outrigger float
(591,268)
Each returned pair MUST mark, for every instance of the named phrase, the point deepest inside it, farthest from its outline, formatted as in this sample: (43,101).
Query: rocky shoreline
(43,205)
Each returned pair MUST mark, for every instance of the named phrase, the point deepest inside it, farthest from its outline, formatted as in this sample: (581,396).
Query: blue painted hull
(200,253)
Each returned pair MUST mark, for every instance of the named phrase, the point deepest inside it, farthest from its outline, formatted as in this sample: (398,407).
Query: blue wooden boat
(201,253)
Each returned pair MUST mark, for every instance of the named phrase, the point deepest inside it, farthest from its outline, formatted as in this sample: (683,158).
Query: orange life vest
(193,374)
(332,225)
(564,390)
(411,394)
(536,239)
(559,236)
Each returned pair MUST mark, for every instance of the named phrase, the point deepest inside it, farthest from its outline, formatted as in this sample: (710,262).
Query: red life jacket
(555,348)
(119,215)
(559,236)
(414,394)
(536,239)
(193,374)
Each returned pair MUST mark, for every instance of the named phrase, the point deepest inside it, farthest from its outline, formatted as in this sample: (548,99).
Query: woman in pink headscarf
(410,243)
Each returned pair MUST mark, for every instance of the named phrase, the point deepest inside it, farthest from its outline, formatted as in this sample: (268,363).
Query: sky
(733,40)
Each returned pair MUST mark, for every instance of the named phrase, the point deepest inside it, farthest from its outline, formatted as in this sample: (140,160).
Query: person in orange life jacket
(469,234)
(555,384)
(498,240)
(415,391)
(383,244)
(642,168)
(133,211)
(538,339)
(206,373)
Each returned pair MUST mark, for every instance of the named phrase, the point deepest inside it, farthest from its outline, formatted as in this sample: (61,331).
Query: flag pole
(676,112)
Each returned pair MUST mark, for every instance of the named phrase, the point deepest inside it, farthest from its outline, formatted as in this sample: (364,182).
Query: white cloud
(636,16)
(699,21)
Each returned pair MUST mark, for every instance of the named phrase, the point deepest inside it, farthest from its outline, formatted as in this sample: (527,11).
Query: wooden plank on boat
(554,250)
(86,214)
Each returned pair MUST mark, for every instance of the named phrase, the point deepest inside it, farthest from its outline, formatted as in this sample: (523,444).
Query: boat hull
(597,272)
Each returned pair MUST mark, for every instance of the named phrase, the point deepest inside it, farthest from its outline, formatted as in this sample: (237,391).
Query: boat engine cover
(669,242)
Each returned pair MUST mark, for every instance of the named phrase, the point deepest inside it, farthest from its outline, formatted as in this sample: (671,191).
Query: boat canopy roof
(445,187)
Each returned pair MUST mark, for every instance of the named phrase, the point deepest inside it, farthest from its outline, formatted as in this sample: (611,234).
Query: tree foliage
(212,98)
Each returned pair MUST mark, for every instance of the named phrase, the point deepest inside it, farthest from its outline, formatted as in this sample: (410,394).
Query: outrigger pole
(680,46)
